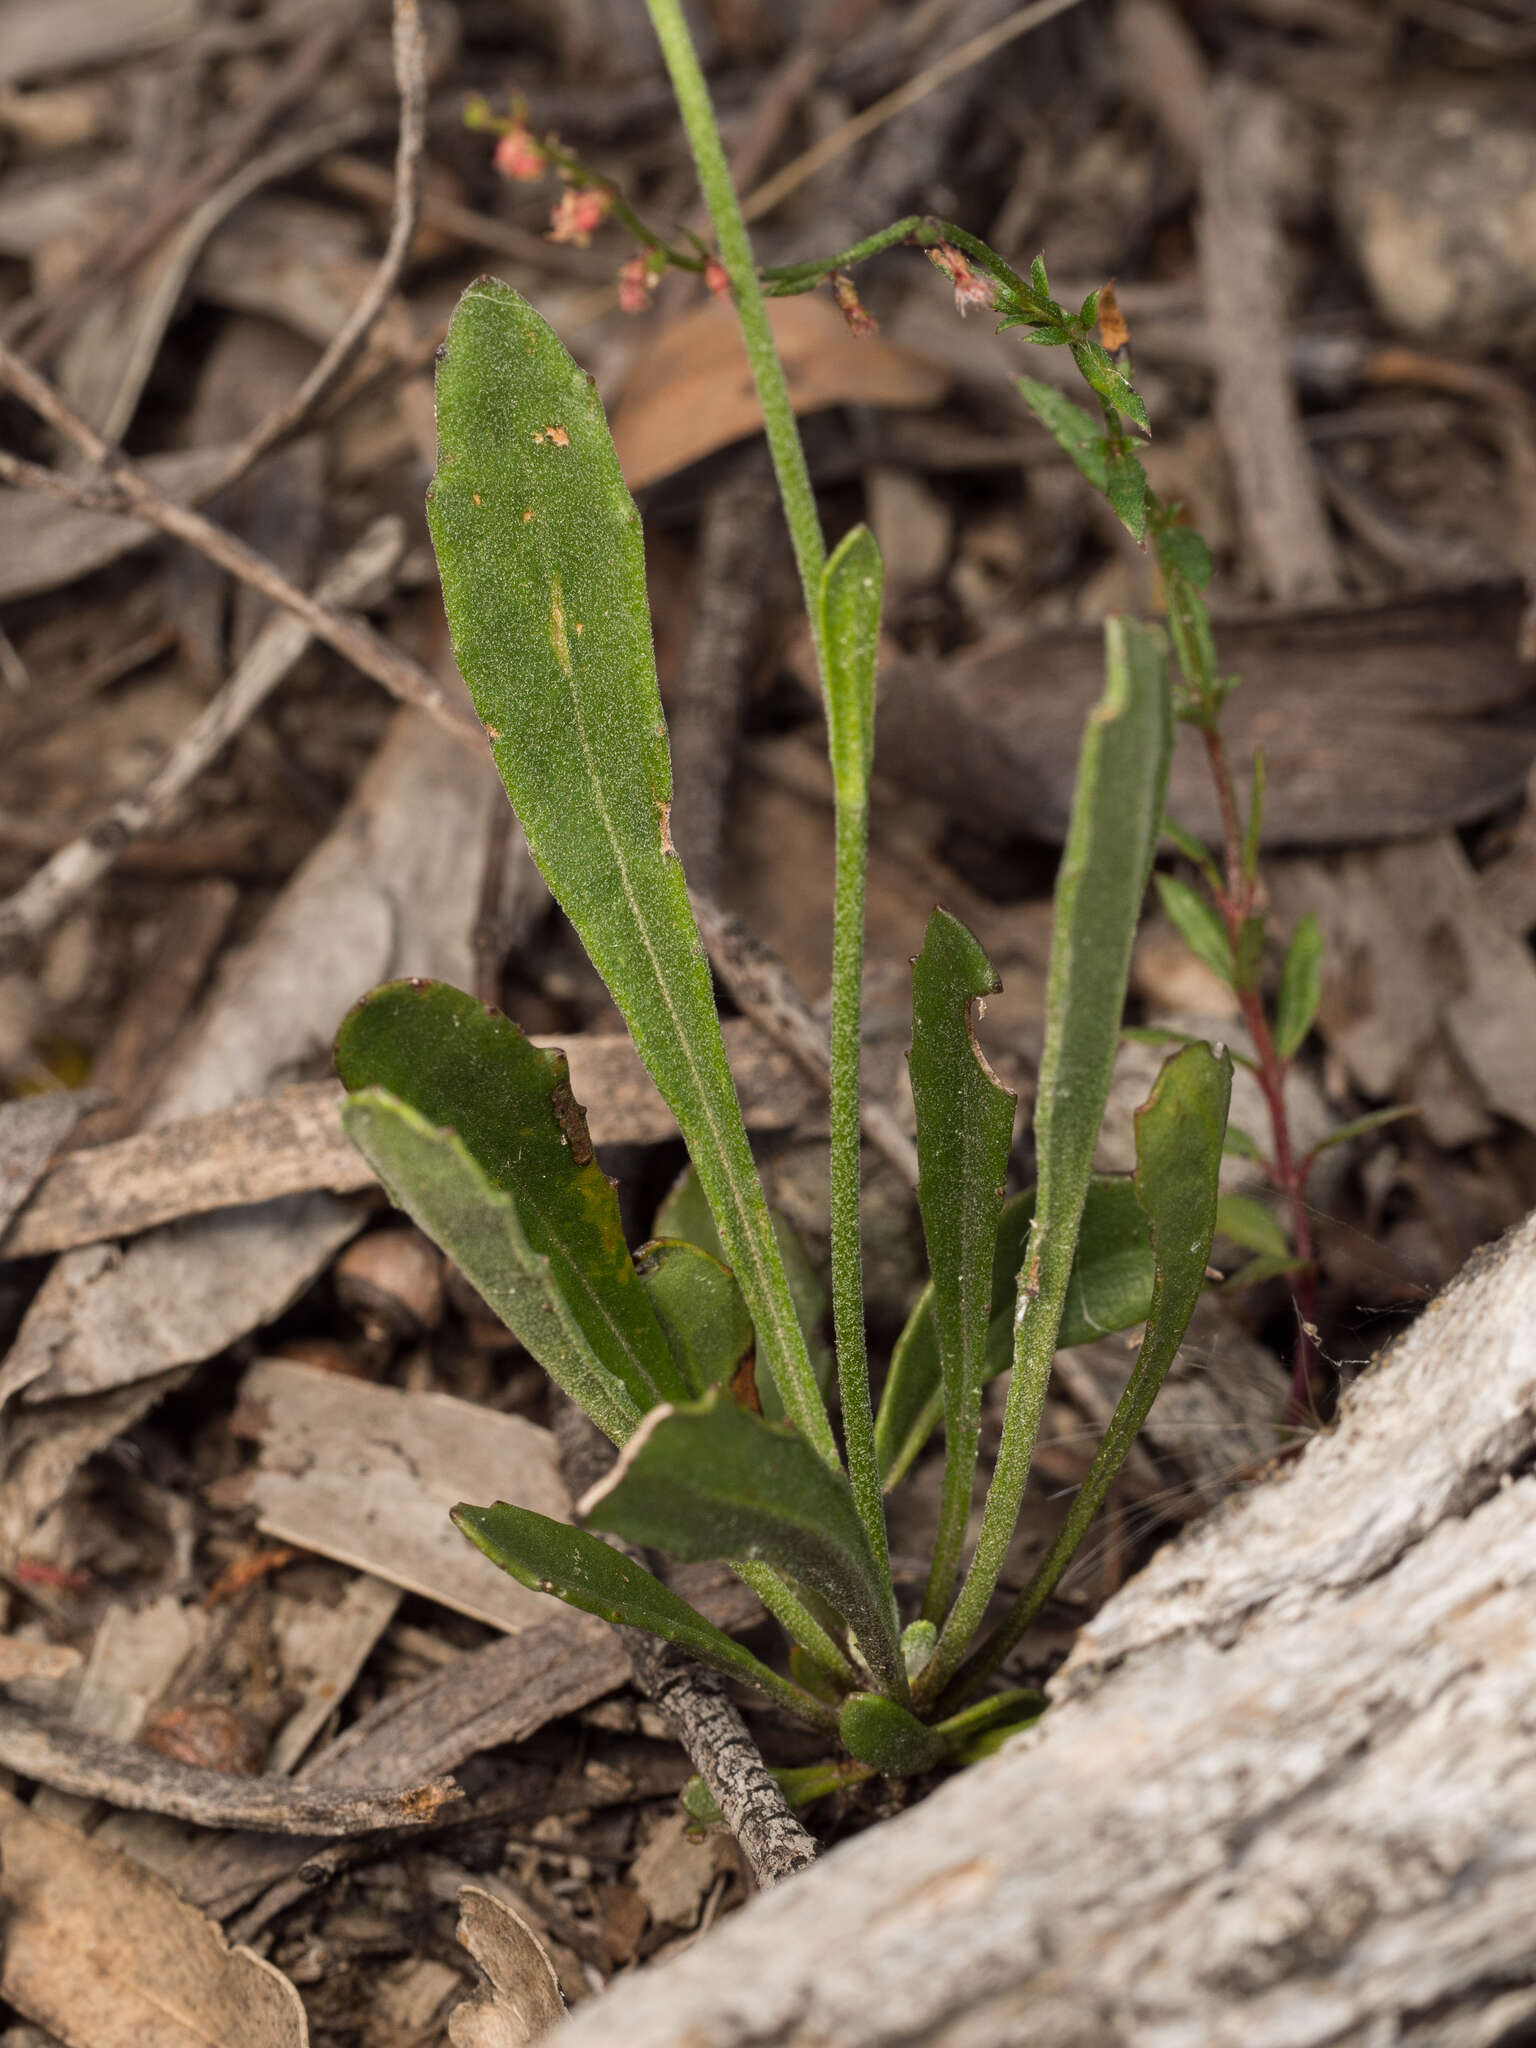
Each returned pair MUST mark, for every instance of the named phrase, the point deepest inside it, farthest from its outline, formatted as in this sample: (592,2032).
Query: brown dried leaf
(522,1995)
(105,1955)
(691,392)
(366,1475)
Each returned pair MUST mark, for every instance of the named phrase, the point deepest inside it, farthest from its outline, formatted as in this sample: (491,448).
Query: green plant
(694,1357)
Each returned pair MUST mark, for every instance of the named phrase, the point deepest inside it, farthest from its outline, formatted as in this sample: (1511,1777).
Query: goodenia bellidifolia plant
(698,1356)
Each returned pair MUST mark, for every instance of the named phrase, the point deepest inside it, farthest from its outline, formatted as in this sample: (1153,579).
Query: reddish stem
(1289,1174)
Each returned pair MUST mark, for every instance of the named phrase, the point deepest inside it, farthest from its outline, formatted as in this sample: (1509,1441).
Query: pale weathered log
(1287,1793)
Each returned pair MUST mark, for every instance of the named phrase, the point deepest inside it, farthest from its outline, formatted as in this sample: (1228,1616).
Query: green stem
(1037,1322)
(852,829)
(799,501)
(789,464)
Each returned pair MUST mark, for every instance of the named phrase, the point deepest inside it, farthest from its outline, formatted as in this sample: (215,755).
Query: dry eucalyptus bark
(1287,1793)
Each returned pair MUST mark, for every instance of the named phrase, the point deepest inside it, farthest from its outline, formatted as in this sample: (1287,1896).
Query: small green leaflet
(699,1306)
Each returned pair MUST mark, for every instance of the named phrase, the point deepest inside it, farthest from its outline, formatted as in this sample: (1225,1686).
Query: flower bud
(846,295)
(519,156)
(579,214)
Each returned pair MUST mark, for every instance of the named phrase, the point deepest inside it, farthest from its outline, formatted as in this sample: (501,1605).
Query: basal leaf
(964,1131)
(1110,1289)
(710,1480)
(543,573)
(469,1069)
(585,1572)
(1070,428)
(1117,810)
(430,1174)
(878,1732)
(1301,988)
(1179,1130)
(699,1306)
(981,1730)
(801,1784)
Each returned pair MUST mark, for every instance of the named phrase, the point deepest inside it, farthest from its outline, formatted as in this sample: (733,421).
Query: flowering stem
(1235,901)
(804,521)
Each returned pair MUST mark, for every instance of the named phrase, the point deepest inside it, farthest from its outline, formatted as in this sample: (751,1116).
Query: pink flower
(578,215)
(519,156)
(845,293)
(716,279)
(637,281)
(971,289)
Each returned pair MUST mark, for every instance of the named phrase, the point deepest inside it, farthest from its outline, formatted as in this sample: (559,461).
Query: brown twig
(91,1767)
(758,982)
(411,81)
(929,79)
(717,1740)
(293,84)
(62,880)
(180,260)
(349,636)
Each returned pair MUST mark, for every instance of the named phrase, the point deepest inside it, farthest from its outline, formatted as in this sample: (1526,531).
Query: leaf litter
(192,1288)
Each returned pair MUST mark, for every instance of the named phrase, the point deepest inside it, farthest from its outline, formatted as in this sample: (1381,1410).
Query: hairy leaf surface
(710,1480)
(543,572)
(430,1174)
(469,1069)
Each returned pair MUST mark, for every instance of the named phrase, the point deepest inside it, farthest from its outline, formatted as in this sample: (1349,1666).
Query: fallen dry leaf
(691,392)
(366,1475)
(105,1955)
(521,1997)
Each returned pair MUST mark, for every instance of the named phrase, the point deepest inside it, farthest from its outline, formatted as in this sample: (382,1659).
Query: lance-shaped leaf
(1301,987)
(429,1173)
(710,1480)
(847,618)
(1110,1289)
(1117,808)
(964,1131)
(585,1572)
(699,1306)
(543,572)
(1178,1162)
(469,1069)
